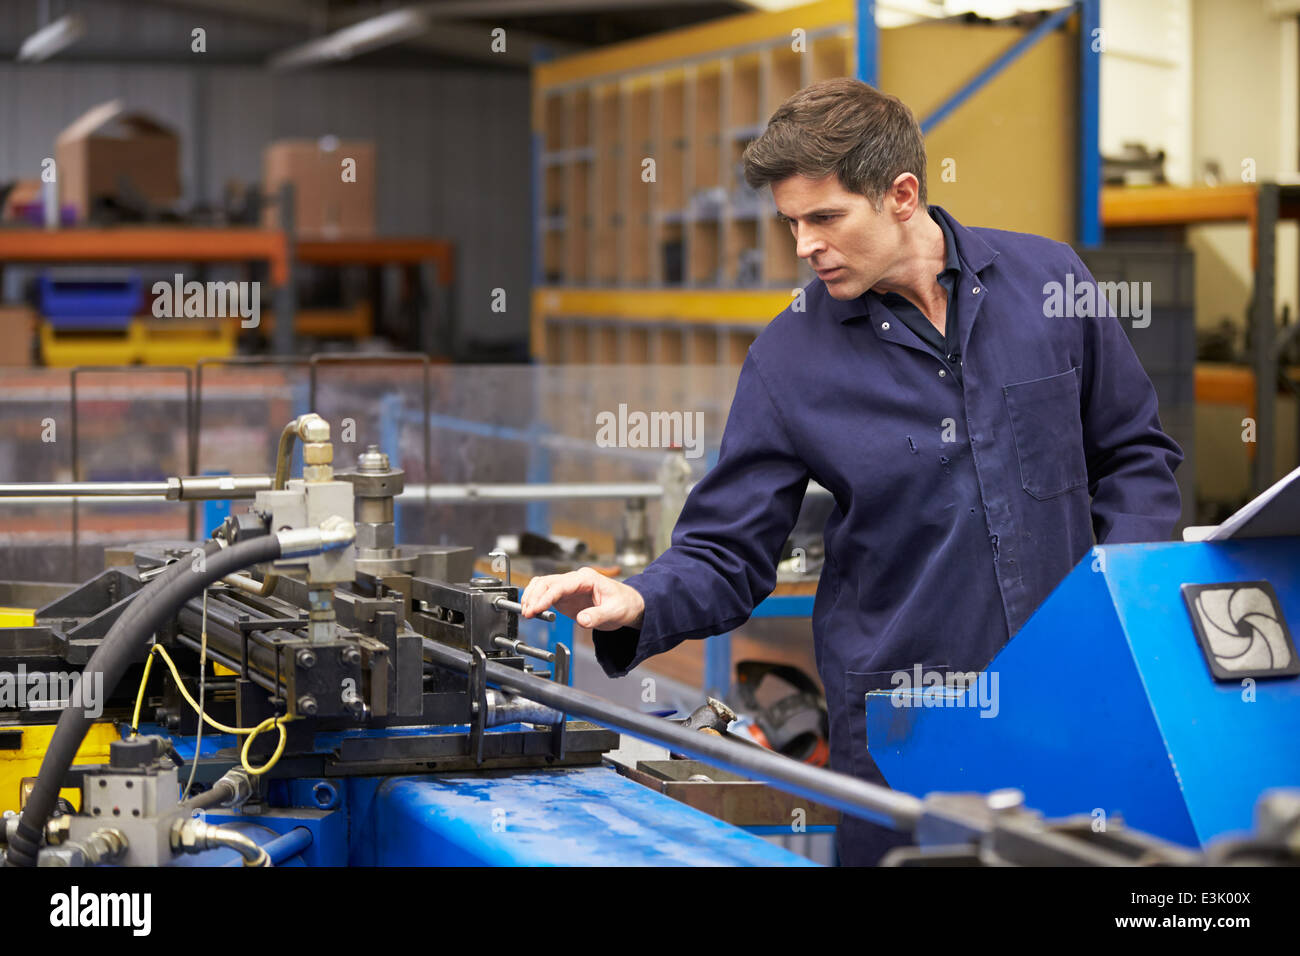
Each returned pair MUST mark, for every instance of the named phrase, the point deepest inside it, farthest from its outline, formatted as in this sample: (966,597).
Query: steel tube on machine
(235,487)
(185,488)
(226,641)
(847,794)
(225,660)
(554,491)
(217,487)
(503,491)
(84,489)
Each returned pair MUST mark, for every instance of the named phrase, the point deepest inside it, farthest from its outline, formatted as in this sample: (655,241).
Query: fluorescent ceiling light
(370,34)
(52,38)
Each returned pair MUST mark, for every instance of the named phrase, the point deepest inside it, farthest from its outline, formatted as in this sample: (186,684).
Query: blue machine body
(583,816)
(1104,702)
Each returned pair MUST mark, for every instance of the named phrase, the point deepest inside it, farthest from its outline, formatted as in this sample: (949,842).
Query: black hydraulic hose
(850,795)
(124,644)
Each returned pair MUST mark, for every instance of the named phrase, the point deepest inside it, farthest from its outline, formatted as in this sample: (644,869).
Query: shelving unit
(429,263)
(1260,206)
(637,150)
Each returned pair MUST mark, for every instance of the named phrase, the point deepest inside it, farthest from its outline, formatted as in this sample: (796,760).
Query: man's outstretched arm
(724,550)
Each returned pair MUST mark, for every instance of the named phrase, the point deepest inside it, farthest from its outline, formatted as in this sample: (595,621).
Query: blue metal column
(999,64)
(717,665)
(717,649)
(1090,44)
(868,43)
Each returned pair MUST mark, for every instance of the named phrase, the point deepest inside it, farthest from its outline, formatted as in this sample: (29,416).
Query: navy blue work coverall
(937,551)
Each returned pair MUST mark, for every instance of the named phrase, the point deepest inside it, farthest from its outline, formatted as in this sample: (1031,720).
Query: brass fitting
(312,428)
(317,453)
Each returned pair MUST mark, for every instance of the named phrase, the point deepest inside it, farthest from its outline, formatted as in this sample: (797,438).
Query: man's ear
(904,196)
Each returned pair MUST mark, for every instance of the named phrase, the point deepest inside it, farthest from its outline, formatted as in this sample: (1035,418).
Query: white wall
(1244,107)
(1146,80)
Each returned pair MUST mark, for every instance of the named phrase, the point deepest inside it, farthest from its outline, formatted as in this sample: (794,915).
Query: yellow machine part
(17,617)
(25,762)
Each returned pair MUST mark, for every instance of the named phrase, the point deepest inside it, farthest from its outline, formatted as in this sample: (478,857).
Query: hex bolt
(307,705)
(306,658)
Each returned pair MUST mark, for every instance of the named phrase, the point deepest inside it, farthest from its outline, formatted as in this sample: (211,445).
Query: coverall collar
(975,254)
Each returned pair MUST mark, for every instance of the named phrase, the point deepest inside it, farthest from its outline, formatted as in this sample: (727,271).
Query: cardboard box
(17,335)
(107,144)
(25,193)
(326,206)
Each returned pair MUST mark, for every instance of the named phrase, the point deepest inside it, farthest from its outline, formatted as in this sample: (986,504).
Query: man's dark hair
(841,126)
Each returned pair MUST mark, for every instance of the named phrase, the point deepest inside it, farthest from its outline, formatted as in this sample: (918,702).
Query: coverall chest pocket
(1048,433)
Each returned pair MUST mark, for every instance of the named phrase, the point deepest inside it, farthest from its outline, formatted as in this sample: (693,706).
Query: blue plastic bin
(90,304)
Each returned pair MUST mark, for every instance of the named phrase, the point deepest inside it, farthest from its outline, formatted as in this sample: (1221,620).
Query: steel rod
(235,487)
(505,604)
(847,794)
(84,489)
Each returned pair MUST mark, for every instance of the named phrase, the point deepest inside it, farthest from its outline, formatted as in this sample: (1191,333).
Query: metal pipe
(549,491)
(841,791)
(225,660)
(310,428)
(226,641)
(185,488)
(237,487)
(525,650)
(505,604)
(217,487)
(84,489)
(506,491)
(503,708)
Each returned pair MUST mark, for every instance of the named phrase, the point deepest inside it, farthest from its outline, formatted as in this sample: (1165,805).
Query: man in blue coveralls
(975,440)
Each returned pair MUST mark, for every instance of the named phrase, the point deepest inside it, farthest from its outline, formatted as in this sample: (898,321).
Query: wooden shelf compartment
(579,107)
(553,122)
(579,232)
(744,257)
(673,143)
(746,75)
(784,77)
(706,139)
(832,56)
(780,263)
(671,252)
(705,253)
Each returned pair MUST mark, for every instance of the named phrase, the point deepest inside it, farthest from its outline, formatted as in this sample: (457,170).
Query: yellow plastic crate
(143,342)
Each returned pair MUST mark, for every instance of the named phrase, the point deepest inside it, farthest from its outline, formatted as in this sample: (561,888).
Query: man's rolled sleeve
(727,541)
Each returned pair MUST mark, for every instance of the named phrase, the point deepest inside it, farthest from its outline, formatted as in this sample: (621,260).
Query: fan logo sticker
(1241,630)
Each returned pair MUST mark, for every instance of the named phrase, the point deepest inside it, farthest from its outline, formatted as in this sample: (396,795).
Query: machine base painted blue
(1103,703)
(580,817)
(584,816)
(589,816)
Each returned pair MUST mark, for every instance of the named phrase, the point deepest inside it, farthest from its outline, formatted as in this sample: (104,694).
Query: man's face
(849,245)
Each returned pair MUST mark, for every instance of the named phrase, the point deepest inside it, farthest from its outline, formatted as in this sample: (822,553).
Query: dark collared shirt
(948,345)
(958,507)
